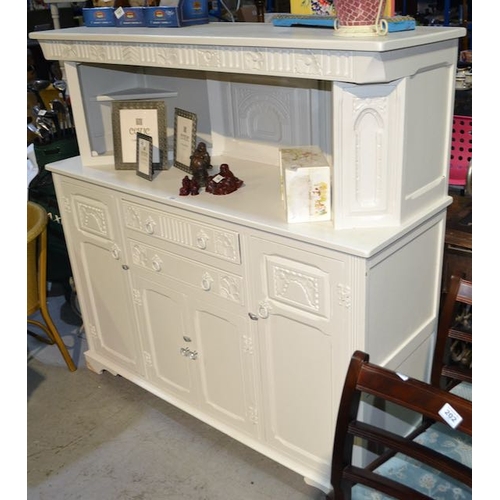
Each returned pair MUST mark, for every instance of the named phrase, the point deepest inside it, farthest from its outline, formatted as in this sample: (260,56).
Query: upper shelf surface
(255,35)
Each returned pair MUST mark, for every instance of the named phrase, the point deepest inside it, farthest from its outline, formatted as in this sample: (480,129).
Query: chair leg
(46,340)
(54,335)
(42,293)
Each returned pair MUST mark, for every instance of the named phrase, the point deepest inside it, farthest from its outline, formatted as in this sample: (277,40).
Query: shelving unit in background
(444,10)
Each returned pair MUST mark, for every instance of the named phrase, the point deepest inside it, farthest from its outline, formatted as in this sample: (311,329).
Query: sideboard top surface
(256,205)
(261,35)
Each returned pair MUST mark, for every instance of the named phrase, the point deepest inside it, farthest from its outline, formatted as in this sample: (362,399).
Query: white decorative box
(306,181)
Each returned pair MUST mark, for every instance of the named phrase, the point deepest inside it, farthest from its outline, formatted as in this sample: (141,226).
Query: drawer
(218,242)
(144,220)
(208,279)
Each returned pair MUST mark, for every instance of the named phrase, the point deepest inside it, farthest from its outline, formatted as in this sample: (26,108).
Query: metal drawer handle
(206,282)
(201,240)
(188,353)
(115,252)
(263,310)
(149,226)
(156,264)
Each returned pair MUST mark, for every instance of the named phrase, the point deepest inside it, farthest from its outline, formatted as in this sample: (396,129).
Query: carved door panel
(300,309)
(199,347)
(90,221)
(169,351)
(227,362)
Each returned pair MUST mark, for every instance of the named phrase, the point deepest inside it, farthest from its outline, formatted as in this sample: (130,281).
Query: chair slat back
(412,394)
(353,427)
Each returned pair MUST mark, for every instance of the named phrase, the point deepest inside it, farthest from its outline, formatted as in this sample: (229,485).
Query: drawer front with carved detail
(92,216)
(301,284)
(206,278)
(217,242)
(298,285)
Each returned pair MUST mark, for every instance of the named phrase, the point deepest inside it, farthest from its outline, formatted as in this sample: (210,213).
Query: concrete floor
(100,437)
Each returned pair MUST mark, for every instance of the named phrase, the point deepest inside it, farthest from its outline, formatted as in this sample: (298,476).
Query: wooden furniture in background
(409,466)
(457,258)
(452,360)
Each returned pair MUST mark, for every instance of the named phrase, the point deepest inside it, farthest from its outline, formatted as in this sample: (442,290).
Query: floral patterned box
(327,7)
(308,7)
(306,184)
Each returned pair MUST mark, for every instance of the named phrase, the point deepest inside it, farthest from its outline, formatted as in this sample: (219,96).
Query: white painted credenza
(215,303)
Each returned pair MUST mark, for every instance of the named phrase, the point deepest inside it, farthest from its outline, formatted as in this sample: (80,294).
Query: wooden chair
(37,280)
(406,467)
(452,359)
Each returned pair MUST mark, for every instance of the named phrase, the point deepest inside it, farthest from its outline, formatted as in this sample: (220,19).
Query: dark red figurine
(189,186)
(200,164)
(224,182)
(185,189)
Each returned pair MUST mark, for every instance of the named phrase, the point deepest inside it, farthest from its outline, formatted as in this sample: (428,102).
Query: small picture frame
(185,125)
(144,156)
(139,116)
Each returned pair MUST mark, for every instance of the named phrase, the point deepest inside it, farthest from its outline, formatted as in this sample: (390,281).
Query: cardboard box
(129,16)
(193,12)
(306,180)
(247,13)
(161,17)
(99,16)
(181,13)
(185,13)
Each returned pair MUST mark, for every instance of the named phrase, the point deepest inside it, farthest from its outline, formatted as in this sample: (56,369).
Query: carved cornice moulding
(297,63)
(258,49)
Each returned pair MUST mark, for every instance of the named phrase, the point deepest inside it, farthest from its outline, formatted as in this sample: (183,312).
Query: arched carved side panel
(368,185)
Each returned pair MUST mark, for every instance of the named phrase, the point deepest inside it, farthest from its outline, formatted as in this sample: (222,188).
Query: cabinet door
(227,362)
(300,321)
(199,346)
(101,273)
(170,352)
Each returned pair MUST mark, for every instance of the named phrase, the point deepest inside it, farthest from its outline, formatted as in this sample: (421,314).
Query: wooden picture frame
(185,127)
(138,116)
(144,156)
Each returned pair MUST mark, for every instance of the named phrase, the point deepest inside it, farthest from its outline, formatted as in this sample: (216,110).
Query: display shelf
(135,93)
(256,88)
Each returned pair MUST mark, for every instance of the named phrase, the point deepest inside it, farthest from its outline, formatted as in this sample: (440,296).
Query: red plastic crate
(461,149)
